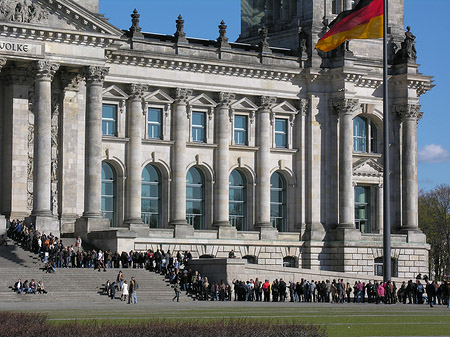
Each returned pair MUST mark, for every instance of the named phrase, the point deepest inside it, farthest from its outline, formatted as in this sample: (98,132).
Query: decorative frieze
(56,105)
(30,152)
(71,81)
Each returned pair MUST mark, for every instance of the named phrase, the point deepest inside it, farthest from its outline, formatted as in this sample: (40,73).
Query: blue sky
(428,21)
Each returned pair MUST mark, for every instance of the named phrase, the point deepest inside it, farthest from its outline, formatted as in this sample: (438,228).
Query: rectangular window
(154,123)
(281,133)
(109,119)
(199,127)
(240,130)
(362,209)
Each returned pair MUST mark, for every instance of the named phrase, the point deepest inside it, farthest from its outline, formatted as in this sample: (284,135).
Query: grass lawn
(351,320)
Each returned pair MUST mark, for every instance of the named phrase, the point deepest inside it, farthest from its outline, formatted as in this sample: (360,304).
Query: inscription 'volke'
(17,47)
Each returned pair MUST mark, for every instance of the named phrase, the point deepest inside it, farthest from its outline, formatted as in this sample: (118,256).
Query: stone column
(410,115)
(2,217)
(345,109)
(222,164)
(134,156)
(180,136)
(264,141)
(41,213)
(92,216)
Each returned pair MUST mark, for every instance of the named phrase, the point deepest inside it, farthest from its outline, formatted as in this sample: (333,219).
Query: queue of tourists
(56,255)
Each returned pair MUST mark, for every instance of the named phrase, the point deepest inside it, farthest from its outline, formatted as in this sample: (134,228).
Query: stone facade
(136,140)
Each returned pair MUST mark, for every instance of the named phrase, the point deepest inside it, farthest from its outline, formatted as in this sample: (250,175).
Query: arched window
(278,202)
(195,198)
(237,201)
(108,192)
(365,135)
(151,197)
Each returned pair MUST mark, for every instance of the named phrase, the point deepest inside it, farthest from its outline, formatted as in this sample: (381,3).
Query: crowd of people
(56,255)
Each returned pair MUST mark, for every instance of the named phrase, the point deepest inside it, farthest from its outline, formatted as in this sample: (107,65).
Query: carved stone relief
(23,11)
(56,103)
(30,151)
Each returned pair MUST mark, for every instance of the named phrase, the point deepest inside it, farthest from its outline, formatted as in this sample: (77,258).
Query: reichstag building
(265,145)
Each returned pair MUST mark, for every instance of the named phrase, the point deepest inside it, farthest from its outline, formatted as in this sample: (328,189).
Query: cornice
(200,66)
(420,83)
(28,32)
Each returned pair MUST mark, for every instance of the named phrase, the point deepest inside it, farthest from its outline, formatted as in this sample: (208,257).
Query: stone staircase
(73,284)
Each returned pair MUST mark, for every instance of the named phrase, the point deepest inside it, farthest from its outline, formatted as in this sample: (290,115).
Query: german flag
(365,21)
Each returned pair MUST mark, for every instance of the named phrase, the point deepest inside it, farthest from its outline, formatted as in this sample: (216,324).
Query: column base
(226,232)
(68,223)
(414,235)
(345,233)
(138,226)
(268,233)
(314,232)
(182,229)
(85,225)
(47,224)
(2,225)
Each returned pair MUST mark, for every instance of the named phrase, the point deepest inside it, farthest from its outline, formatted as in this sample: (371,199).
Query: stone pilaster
(409,114)
(345,109)
(134,157)
(92,217)
(69,158)
(180,136)
(42,214)
(17,93)
(2,217)
(264,141)
(222,163)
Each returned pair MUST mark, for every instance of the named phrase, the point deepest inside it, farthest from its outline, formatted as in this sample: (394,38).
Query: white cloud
(433,154)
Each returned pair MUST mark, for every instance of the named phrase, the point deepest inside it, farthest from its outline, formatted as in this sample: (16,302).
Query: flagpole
(387,272)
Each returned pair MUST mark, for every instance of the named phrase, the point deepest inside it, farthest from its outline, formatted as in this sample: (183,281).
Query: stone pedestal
(416,236)
(345,234)
(226,232)
(268,233)
(47,224)
(183,231)
(2,225)
(85,225)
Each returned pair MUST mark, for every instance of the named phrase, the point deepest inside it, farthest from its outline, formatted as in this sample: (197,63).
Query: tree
(434,221)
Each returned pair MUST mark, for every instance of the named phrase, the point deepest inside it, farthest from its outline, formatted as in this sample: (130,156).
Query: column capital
(71,81)
(225,98)
(267,102)
(408,112)
(345,106)
(304,106)
(137,91)
(96,74)
(2,62)
(182,95)
(45,70)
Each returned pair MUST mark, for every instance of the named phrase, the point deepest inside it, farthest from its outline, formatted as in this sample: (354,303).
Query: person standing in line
(133,286)
(124,291)
(120,279)
(177,289)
